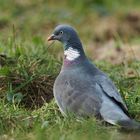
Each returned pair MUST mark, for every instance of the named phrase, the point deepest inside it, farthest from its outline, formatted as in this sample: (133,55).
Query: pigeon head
(73,50)
(66,35)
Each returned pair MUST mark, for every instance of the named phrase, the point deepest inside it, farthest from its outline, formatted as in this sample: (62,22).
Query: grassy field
(28,68)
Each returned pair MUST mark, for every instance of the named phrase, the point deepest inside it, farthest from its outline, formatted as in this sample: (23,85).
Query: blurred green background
(38,17)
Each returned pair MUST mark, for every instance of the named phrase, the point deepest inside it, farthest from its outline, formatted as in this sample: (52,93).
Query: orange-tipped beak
(52,37)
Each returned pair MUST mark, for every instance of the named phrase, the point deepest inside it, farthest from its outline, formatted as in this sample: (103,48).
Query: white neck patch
(71,54)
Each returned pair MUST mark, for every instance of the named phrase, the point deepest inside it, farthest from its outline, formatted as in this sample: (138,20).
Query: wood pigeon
(84,90)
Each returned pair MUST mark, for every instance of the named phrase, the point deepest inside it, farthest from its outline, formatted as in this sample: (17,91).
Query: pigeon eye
(61,32)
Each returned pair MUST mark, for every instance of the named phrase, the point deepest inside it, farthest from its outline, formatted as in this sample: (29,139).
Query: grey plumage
(81,88)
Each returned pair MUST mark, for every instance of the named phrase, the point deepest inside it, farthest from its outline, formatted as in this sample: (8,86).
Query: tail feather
(129,124)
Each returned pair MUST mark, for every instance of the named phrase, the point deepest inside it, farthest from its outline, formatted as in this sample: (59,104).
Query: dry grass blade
(52,43)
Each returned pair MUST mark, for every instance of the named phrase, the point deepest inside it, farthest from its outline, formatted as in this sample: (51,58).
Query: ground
(110,33)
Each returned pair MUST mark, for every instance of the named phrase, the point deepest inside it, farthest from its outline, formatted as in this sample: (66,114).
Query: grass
(22,117)
(28,68)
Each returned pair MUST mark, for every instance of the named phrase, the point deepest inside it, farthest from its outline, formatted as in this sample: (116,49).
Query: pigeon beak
(52,37)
